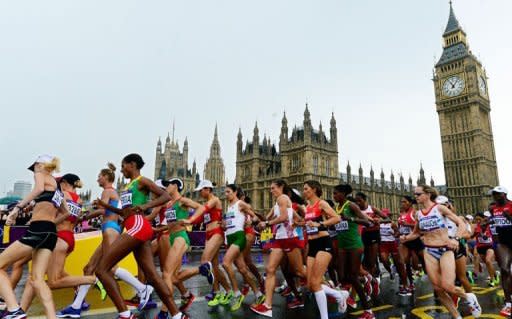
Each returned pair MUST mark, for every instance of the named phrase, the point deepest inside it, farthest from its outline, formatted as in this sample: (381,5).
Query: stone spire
(453,24)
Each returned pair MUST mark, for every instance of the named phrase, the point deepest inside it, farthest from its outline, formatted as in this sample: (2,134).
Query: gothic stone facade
(463,106)
(306,154)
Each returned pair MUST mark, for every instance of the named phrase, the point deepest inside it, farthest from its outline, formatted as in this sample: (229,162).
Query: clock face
(453,86)
(482,86)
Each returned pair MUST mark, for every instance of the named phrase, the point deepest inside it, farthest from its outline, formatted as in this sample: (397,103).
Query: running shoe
(69,312)
(134,301)
(375,287)
(342,302)
(145,295)
(216,300)
(262,310)
(403,291)
(497,277)
(186,302)
(131,316)
(226,300)
(367,315)
(209,296)
(286,292)
(151,304)
(476,310)
(237,302)
(245,290)
(505,311)
(103,292)
(295,303)
(367,286)
(281,288)
(469,274)
(455,300)
(351,302)
(259,300)
(162,315)
(491,283)
(85,305)
(2,304)
(206,270)
(18,314)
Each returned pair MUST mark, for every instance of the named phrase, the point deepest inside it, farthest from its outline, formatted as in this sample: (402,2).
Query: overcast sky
(91,81)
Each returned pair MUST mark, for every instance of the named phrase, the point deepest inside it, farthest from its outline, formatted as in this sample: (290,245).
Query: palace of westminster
(305,152)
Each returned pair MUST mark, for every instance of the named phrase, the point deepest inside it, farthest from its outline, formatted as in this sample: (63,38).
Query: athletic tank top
(235,220)
(132,196)
(431,220)
(500,221)
(174,213)
(484,236)
(370,213)
(212,215)
(74,207)
(451,226)
(314,214)
(348,231)
(284,230)
(404,220)
(387,234)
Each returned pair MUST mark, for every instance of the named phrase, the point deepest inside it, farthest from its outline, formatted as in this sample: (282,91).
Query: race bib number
(484,240)
(229,219)
(170,215)
(404,230)
(311,230)
(126,199)
(501,221)
(341,226)
(207,218)
(57,198)
(74,208)
(430,223)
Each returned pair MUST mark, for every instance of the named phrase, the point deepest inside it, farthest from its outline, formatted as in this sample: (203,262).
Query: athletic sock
(127,277)
(331,292)
(237,293)
(321,301)
(80,296)
(126,313)
(15,309)
(177,316)
(187,294)
(258,294)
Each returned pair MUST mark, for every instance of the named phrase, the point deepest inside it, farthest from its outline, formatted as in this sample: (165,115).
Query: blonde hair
(53,166)
(109,172)
(78,184)
(432,191)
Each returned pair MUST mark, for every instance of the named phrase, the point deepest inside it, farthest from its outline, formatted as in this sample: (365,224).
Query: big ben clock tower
(462,102)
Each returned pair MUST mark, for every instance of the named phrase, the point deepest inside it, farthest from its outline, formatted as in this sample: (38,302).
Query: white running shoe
(342,302)
(476,310)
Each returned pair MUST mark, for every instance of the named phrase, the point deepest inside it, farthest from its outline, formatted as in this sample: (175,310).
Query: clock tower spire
(463,106)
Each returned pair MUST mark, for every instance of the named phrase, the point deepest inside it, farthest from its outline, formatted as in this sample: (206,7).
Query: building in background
(463,106)
(308,154)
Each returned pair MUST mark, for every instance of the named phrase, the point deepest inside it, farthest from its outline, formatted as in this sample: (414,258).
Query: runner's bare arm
(361,218)
(162,196)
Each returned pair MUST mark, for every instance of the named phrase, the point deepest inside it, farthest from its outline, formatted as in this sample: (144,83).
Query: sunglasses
(418,194)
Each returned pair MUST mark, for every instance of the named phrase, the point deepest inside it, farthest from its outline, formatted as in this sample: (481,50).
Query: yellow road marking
(384,307)
(426,296)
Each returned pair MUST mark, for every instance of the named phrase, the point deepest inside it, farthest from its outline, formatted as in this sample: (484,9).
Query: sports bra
(314,213)
(55,197)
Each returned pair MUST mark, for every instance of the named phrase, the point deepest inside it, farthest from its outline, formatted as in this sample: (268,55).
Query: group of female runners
(330,248)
